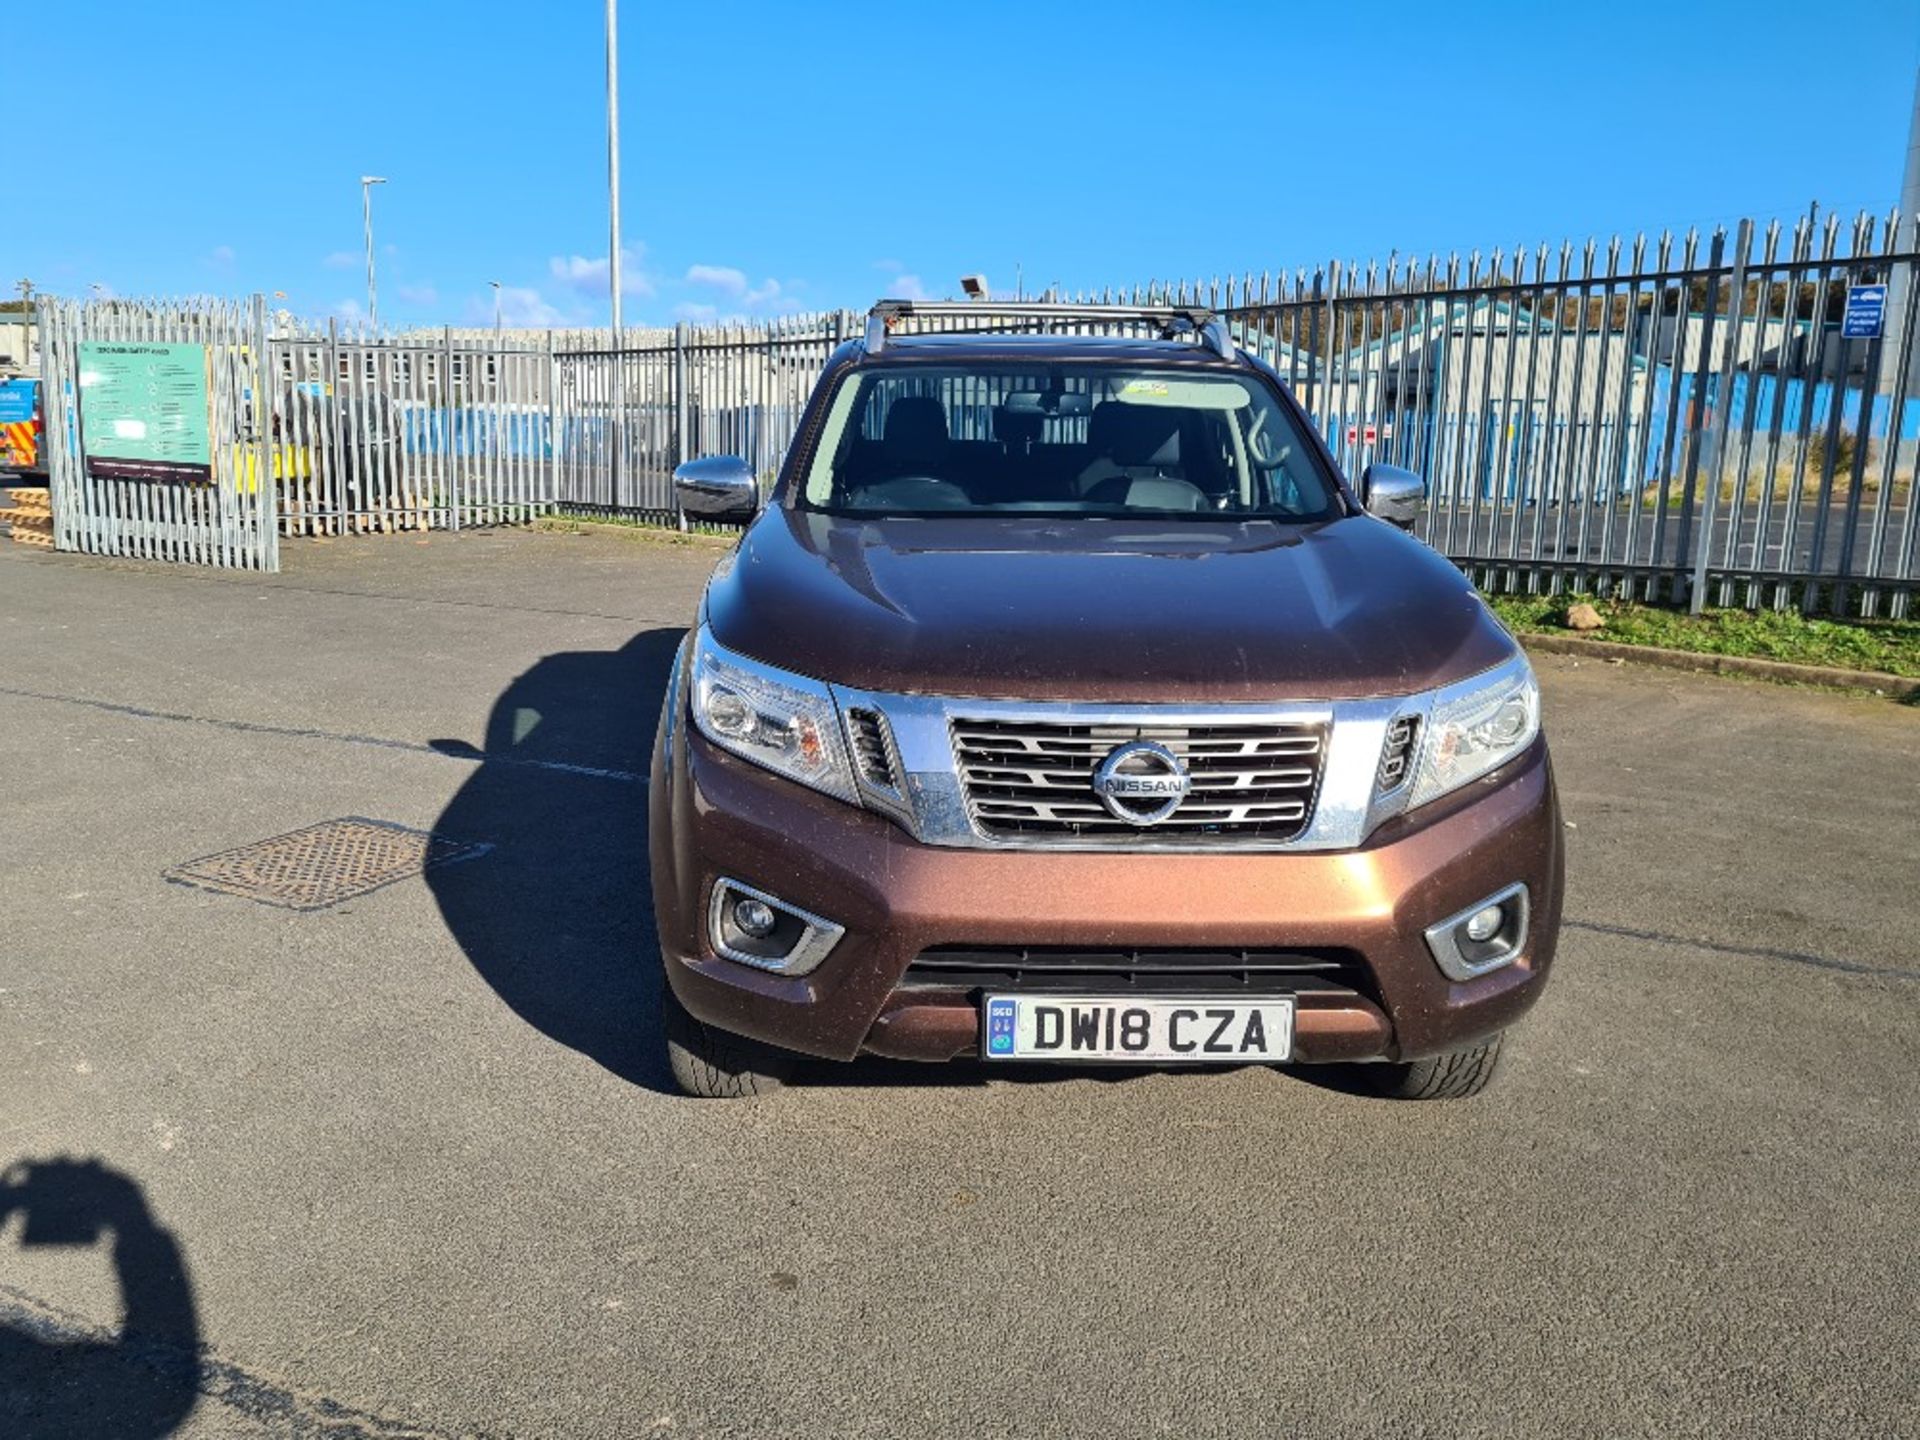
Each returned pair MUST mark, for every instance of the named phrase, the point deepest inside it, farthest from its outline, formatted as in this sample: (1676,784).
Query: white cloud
(521,306)
(222,255)
(695,313)
(901,284)
(579,271)
(418,294)
(733,283)
(589,275)
(341,260)
(720,277)
(348,310)
(907,287)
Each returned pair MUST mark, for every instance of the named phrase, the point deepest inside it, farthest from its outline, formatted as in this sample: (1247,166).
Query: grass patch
(1892,646)
(632,528)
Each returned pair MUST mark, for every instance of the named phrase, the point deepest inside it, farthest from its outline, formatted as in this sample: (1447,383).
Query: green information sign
(144,410)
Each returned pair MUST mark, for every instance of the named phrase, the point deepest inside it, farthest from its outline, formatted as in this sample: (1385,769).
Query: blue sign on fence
(1866,313)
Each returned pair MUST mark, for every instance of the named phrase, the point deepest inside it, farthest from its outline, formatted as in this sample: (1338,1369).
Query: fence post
(1329,421)
(679,415)
(1316,408)
(450,465)
(333,397)
(63,490)
(1722,406)
(1697,404)
(616,402)
(72,509)
(553,424)
(1856,478)
(266,494)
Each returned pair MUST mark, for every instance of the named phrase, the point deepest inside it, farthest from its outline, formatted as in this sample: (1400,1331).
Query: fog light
(756,917)
(754,928)
(1483,937)
(1484,925)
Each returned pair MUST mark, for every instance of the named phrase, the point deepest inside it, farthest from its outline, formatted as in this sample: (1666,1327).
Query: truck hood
(1116,610)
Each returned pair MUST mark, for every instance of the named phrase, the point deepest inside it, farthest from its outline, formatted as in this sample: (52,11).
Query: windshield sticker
(1145,387)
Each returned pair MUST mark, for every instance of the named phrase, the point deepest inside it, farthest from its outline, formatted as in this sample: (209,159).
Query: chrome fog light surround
(795,944)
(1466,946)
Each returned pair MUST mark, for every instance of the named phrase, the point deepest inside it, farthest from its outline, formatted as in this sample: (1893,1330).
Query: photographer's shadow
(58,1377)
(558,916)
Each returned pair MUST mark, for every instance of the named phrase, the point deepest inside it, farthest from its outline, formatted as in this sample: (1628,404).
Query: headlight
(785,722)
(1477,726)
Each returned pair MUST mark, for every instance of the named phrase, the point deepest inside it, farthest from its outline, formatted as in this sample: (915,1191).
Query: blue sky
(807,155)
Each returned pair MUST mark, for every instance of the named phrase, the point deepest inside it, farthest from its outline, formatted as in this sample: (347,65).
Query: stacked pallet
(28,516)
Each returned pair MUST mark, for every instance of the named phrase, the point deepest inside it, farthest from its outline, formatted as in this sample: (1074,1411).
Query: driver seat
(915,440)
(1132,442)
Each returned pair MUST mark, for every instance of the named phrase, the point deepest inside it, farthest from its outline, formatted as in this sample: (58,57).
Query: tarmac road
(408,1166)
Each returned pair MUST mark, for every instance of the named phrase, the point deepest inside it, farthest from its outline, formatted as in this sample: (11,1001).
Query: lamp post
(1905,231)
(613,162)
(496,310)
(367,182)
(618,455)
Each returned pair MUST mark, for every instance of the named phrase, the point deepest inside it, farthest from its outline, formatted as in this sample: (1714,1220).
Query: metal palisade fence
(425,430)
(1671,417)
(225,517)
(624,418)
(1675,418)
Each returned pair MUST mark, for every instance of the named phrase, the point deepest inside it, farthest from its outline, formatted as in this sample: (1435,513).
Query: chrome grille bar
(1299,777)
(1034,777)
(1095,740)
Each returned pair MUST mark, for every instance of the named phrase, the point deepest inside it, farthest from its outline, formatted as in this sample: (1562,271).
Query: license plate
(1161,1031)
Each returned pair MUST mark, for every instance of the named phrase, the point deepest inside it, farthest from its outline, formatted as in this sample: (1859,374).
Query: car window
(1089,439)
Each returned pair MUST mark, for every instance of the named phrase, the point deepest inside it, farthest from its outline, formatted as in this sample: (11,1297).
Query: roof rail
(1172,319)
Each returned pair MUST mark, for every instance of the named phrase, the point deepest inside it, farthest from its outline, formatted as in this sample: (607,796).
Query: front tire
(712,1064)
(1452,1076)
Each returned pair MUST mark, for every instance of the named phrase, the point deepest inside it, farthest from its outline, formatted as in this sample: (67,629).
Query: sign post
(146,411)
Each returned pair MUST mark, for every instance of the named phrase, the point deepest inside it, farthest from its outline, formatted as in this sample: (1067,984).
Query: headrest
(1017,427)
(916,430)
(1135,434)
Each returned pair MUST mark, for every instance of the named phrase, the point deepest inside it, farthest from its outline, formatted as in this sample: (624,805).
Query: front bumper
(713,815)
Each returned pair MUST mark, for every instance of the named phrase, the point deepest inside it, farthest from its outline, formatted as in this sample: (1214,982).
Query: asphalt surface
(411,1165)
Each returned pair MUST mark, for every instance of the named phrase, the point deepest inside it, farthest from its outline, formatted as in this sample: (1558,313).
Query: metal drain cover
(323,864)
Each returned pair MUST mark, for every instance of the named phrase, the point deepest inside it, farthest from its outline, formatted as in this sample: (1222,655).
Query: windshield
(1088,439)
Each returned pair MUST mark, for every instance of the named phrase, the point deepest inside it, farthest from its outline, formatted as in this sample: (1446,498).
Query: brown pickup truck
(1063,703)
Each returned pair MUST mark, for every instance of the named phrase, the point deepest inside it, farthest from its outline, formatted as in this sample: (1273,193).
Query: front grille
(1145,971)
(1035,778)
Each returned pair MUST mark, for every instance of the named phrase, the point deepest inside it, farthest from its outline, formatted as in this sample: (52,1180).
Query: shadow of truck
(558,918)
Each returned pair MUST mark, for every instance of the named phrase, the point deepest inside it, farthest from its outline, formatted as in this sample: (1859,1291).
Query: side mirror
(1393,494)
(721,489)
